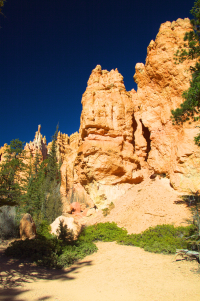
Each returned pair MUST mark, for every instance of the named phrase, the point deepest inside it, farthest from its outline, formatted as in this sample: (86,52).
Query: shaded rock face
(125,137)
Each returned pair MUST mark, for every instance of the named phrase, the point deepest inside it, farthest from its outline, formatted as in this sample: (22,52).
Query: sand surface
(150,203)
(114,273)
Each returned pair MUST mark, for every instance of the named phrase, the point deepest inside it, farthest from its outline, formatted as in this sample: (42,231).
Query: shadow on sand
(15,273)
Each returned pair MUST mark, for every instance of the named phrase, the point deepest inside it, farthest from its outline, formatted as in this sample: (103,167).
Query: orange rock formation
(125,137)
(39,145)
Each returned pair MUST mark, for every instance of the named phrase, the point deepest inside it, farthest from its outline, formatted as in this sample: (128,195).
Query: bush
(160,239)
(76,252)
(53,252)
(44,230)
(41,251)
(103,232)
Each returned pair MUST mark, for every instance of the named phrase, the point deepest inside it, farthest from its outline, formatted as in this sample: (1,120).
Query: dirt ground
(115,272)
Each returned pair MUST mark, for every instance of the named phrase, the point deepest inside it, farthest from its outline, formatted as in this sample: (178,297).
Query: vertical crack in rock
(134,126)
(146,134)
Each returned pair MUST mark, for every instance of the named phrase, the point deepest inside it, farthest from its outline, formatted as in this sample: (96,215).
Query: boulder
(74,227)
(27,227)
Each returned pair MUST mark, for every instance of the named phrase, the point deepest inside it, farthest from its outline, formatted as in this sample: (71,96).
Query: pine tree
(43,200)
(34,199)
(190,108)
(13,174)
(53,199)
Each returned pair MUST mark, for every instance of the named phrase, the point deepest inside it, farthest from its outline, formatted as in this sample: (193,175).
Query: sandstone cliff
(125,137)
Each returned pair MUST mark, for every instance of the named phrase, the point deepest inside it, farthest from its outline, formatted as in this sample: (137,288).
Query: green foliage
(103,232)
(64,233)
(50,251)
(12,187)
(107,210)
(44,229)
(42,199)
(72,253)
(190,108)
(193,201)
(42,251)
(33,186)
(53,170)
(160,239)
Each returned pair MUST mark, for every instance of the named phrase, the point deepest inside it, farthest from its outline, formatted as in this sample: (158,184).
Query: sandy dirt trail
(114,273)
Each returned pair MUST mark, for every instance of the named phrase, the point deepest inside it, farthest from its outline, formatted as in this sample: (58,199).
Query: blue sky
(48,49)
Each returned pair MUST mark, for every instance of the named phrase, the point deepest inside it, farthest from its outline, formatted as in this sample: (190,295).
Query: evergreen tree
(190,108)
(43,200)
(35,194)
(13,174)
(53,204)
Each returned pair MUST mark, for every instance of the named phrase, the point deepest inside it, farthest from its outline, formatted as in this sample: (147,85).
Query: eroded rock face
(106,157)
(38,145)
(3,152)
(161,83)
(127,136)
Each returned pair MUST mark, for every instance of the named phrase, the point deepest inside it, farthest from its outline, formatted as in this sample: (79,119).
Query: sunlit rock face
(67,148)
(38,145)
(3,152)
(161,82)
(106,163)
(125,137)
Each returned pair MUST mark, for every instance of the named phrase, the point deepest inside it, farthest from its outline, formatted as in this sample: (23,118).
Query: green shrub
(44,230)
(52,252)
(76,252)
(103,232)
(64,234)
(160,239)
(40,250)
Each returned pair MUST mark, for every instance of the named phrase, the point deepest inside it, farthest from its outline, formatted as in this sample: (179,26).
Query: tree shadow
(14,273)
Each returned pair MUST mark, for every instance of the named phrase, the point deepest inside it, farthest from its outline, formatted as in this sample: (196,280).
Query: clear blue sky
(48,49)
